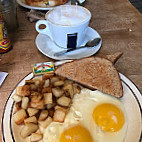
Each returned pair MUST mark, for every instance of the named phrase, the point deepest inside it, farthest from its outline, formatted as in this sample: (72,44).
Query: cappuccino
(68,15)
(66,25)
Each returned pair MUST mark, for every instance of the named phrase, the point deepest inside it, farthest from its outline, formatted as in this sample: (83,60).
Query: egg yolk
(108,117)
(76,134)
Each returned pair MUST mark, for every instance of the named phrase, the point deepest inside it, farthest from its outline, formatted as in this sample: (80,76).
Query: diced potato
(49,106)
(40,86)
(20,116)
(62,108)
(48,75)
(19,90)
(18,106)
(37,78)
(57,92)
(17,98)
(59,115)
(43,115)
(36,98)
(37,105)
(62,78)
(45,123)
(33,93)
(47,89)
(47,83)
(51,112)
(38,131)
(64,101)
(32,111)
(29,82)
(68,89)
(23,90)
(67,81)
(58,83)
(25,101)
(37,82)
(48,98)
(33,87)
(35,137)
(76,88)
(28,129)
(42,82)
(54,79)
(31,119)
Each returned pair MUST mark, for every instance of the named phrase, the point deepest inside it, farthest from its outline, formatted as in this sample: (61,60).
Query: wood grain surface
(119,24)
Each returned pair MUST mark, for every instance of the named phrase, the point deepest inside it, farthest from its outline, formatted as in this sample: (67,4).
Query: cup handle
(42,22)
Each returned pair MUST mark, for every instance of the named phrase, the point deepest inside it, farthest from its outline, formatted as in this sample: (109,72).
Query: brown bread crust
(114,57)
(94,73)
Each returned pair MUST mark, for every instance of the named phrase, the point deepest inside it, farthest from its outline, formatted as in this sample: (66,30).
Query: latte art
(68,15)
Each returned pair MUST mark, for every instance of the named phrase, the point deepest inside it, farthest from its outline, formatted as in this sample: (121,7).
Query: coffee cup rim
(89,17)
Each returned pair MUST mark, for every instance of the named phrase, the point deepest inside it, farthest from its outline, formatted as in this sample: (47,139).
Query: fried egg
(93,117)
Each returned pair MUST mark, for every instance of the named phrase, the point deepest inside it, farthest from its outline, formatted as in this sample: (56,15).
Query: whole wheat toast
(94,73)
(113,57)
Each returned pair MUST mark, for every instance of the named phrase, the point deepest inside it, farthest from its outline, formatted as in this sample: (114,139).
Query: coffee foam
(68,15)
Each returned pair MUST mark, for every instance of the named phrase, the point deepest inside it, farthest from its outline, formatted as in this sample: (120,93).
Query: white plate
(34,7)
(132,101)
(46,46)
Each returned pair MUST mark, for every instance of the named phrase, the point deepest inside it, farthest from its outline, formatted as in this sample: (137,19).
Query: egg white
(81,113)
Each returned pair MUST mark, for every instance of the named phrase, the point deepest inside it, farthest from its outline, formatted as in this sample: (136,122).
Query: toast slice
(94,73)
(113,57)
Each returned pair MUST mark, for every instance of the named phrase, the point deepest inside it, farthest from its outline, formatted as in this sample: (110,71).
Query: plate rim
(131,85)
(58,58)
(4,108)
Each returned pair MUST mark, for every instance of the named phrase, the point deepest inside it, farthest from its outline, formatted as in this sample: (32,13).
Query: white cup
(67,25)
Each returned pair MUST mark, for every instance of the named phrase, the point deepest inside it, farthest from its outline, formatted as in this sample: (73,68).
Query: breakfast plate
(132,101)
(34,7)
(46,46)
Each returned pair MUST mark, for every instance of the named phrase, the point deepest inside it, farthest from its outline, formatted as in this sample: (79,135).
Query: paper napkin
(3,75)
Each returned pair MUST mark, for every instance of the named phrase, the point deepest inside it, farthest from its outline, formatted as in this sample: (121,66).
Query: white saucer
(46,46)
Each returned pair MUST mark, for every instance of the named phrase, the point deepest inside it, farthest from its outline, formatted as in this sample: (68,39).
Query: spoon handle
(94,42)
(66,51)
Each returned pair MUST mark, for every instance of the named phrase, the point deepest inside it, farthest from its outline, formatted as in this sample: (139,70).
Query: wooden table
(119,24)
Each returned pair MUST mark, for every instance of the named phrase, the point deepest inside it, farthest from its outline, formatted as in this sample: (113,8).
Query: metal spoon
(91,43)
